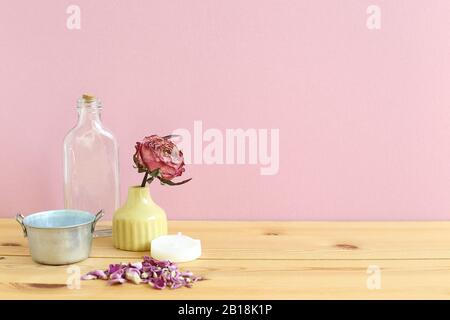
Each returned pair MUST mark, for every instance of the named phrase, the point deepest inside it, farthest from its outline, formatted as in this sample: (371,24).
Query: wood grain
(259,260)
(240,279)
(284,240)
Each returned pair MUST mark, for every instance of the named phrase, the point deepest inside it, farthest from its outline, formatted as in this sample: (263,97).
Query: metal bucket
(59,236)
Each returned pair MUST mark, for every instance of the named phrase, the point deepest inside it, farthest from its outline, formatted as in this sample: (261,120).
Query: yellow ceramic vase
(138,222)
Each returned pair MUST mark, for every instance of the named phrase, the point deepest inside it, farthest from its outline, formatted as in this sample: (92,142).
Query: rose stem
(145,179)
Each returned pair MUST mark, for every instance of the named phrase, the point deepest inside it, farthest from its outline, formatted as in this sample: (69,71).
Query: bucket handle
(19,219)
(98,216)
(102,232)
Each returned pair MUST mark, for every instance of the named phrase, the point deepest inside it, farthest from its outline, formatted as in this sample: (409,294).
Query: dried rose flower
(159,158)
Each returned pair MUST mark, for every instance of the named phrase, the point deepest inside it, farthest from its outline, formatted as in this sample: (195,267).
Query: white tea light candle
(176,248)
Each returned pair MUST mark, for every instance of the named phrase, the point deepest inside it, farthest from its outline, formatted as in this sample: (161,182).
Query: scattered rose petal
(158,274)
(137,265)
(88,277)
(172,267)
(117,275)
(158,283)
(176,285)
(187,274)
(100,274)
(96,274)
(116,281)
(114,267)
(133,275)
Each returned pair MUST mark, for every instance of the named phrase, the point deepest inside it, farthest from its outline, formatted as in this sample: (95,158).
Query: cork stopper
(88,98)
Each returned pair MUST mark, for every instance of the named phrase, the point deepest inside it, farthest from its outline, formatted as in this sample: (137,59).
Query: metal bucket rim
(26,224)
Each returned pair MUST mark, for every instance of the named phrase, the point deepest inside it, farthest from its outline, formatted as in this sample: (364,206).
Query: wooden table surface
(259,260)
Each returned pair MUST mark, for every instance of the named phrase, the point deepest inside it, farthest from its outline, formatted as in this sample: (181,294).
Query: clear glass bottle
(91,162)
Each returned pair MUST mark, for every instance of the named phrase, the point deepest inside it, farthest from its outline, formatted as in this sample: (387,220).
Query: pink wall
(364,115)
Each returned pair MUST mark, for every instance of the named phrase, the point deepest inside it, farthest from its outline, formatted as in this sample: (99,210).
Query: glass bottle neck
(89,112)
(88,115)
